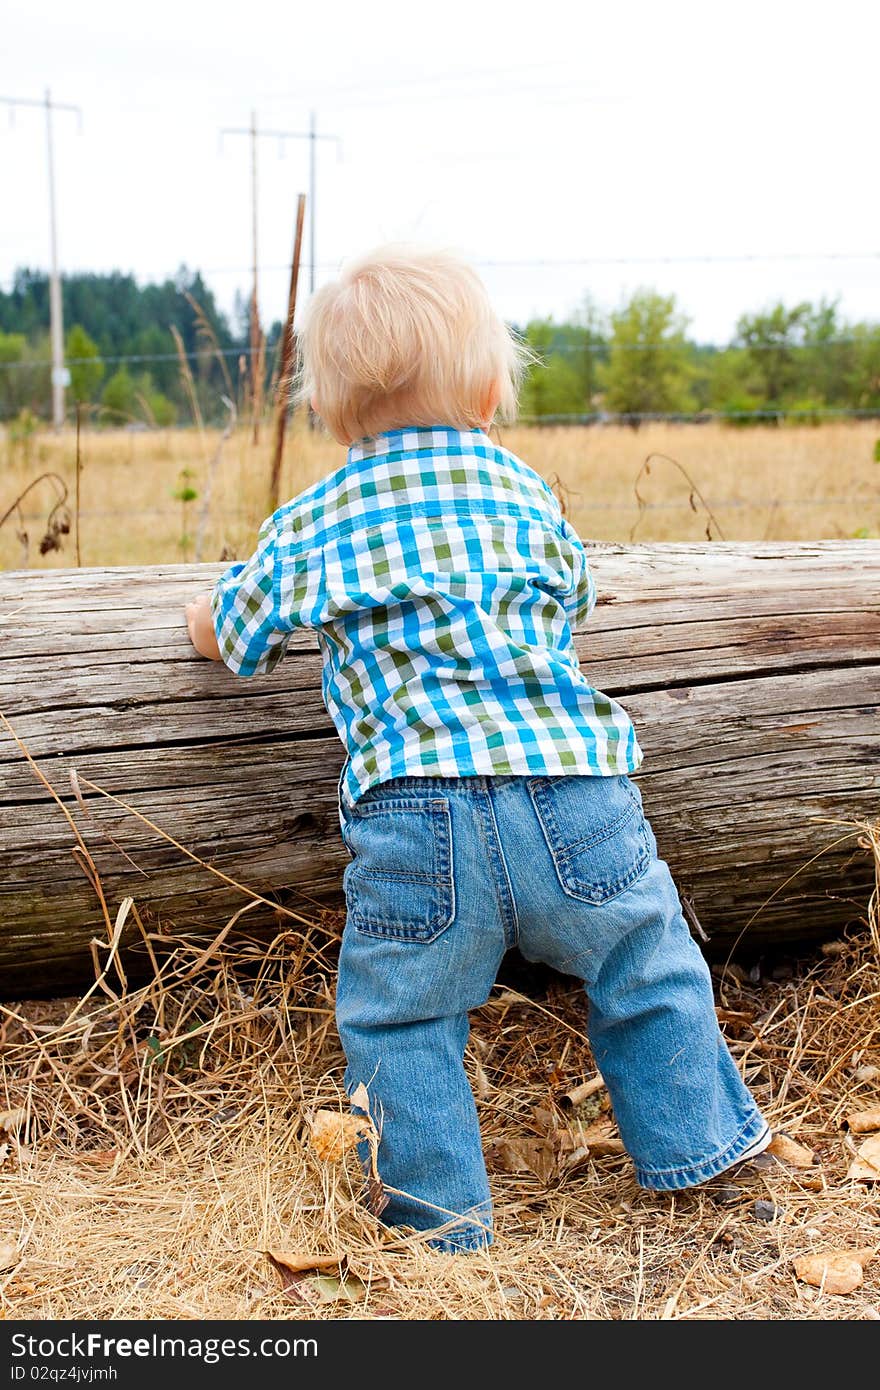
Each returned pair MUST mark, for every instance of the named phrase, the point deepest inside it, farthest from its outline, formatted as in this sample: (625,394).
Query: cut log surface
(752,673)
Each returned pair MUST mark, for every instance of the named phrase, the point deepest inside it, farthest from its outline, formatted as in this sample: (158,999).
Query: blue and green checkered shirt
(442,581)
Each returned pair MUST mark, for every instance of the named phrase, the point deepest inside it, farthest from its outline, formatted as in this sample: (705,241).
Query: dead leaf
(12,1120)
(525,1155)
(556,1150)
(837,1271)
(867,1073)
(294,1270)
(601,1140)
(360,1098)
(813,1182)
(334,1133)
(864,1121)
(10,1254)
(866,1164)
(331,1290)
(99,1158)
(293,1264)
(788,1150)
(377,1197)
(482,1089)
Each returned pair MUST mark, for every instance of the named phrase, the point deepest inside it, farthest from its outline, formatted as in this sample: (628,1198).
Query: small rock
(782,971)
(762,1210)
(731,971)
(727,1196)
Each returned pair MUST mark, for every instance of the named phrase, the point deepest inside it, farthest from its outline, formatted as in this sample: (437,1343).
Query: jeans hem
(467,1243)
(674,1179)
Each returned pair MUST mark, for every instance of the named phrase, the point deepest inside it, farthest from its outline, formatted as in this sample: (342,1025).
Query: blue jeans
(447,873)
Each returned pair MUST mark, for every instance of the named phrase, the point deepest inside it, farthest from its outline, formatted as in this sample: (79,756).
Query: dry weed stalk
(205,331)
(208,489)
(694,492)
(186,377)
(57,520)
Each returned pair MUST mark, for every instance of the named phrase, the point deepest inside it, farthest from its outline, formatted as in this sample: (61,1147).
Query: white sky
(514,131)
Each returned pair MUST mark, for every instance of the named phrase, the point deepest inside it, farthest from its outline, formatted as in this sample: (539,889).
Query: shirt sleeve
(580,599)
(257,604)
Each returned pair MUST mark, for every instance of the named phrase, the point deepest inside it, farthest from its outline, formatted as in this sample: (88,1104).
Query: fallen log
(751,672)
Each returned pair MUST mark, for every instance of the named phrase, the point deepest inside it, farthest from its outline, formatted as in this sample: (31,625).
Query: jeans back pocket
(400,883)
(596,833)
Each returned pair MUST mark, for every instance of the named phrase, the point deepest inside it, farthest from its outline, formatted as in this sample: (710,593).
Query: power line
(577,262)
(553,263)
(687,345)
(739,257)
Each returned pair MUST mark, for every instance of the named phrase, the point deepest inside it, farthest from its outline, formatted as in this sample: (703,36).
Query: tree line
(803,359)
(122,355)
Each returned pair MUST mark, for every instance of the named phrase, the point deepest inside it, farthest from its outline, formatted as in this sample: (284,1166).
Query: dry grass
(165,1145)
(751,478)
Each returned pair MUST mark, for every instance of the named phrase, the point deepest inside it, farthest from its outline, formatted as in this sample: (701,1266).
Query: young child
(485,798)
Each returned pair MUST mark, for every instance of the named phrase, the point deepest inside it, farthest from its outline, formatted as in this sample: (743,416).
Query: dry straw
(161,1156)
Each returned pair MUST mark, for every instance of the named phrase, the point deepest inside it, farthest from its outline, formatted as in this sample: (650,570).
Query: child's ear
(490,403)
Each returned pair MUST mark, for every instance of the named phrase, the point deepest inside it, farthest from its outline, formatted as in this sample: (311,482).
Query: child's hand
(200,626)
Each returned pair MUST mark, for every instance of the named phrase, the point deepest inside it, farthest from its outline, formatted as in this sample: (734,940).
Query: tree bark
(751,672)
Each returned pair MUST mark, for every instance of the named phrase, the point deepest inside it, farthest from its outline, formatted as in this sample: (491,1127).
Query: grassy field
(798,483)
(162,1141)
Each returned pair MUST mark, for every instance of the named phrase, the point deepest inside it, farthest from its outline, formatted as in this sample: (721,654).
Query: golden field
(766,483)
(158,1140)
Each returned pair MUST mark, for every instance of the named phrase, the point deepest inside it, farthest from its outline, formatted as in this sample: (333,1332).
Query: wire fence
(774,415)
(595,346)
(720,505)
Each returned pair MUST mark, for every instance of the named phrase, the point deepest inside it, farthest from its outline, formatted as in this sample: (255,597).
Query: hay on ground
(157,1143)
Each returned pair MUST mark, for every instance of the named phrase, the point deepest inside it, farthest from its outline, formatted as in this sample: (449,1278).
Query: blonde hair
(406,336)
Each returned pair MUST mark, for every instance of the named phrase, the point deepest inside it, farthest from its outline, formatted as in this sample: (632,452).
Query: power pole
(313,174)
(256,337)
(256,134)
(60,374)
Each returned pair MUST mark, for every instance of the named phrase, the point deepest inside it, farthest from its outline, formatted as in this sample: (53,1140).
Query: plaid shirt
(442,581)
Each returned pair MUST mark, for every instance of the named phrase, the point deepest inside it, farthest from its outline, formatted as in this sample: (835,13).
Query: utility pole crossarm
(279,134)
(41,102)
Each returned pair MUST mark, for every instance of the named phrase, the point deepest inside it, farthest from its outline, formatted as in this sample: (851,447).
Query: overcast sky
(517,132)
